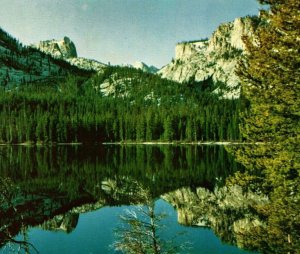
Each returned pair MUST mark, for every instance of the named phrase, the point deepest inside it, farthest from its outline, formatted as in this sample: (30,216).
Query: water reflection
(227,210)
(52,186)
(140,230)
(273,171)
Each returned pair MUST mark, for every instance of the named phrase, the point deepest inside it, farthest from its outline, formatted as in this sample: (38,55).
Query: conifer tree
(270,75)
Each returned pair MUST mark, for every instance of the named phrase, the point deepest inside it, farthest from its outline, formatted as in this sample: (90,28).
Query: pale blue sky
(120,31)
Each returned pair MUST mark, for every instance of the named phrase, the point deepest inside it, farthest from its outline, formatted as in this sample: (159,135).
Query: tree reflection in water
(256,208)
(8,192)
(140,229)
(272,170)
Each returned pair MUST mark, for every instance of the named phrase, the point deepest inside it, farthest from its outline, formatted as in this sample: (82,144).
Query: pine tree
(270,75)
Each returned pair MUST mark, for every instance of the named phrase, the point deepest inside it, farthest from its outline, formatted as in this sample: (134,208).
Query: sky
(121,31)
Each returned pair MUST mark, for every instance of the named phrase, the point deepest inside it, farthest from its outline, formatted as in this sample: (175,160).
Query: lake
(69,199)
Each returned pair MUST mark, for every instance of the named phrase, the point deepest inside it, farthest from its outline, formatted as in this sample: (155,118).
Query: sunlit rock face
(214,58)
(227,210)
(86,64)
(144,67)
(62,49)
(65,49)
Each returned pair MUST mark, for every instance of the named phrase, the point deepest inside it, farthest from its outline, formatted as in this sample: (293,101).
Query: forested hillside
(45,99)
(141,107)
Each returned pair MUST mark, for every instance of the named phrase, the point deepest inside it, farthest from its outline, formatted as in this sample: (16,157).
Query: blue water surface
(95,234)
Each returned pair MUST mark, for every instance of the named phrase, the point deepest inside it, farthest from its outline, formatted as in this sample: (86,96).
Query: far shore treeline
(153,109)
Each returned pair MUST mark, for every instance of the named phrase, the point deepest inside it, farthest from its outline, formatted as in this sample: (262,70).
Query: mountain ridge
(216,57)
(21,64)
(211,62)
(65,49)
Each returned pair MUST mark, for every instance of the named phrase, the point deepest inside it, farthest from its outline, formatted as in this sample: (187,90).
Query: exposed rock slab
(214,58)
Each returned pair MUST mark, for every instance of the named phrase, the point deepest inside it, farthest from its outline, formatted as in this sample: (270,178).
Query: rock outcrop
(86,64)
(20,64)
(62,49)
(214,58)
(65,49)
(144,67)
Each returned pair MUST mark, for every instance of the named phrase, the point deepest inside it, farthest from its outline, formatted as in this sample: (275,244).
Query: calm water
(68,199)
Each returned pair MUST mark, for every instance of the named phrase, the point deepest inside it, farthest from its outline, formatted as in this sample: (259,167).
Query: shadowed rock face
(216,57)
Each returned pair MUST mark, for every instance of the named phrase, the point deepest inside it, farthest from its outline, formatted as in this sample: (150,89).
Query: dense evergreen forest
(142,107)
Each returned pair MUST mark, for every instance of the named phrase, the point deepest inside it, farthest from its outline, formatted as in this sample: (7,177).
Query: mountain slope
(214,58)
(134,84)
(20,64)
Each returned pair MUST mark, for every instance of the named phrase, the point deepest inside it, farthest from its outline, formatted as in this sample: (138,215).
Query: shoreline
(221,143)
(224,143)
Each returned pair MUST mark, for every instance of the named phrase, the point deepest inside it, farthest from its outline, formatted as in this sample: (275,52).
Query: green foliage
(143,107)
(194,41)
(270,76)
(270,91)
(232,53)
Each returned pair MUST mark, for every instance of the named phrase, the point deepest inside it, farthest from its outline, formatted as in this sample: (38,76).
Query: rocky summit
(65,49)
(214,58)
(144,67)
(62,49)
(20,64)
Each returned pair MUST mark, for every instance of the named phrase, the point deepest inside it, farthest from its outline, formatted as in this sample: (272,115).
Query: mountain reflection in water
(52,186)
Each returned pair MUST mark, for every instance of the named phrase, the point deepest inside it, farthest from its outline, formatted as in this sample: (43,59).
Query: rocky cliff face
(86,64)
(62,49)
(65,49)
(214,58)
